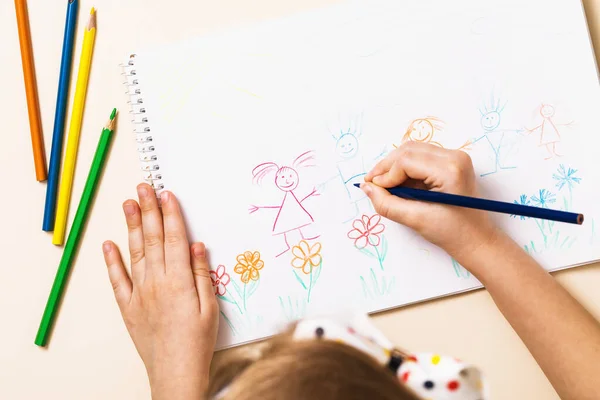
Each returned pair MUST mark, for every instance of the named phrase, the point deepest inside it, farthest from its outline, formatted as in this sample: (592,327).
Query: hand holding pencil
(457,230)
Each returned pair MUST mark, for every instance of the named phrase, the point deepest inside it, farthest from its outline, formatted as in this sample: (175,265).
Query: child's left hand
(168,304)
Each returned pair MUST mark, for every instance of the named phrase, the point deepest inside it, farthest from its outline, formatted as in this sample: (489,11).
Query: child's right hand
(459,231)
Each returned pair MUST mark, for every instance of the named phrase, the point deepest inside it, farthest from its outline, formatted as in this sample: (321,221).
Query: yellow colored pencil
(66,181)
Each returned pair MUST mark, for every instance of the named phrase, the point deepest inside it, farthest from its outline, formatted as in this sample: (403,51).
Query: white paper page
(328,93)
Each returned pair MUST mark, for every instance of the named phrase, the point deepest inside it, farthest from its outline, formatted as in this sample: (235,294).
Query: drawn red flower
(366,231)
(220,279)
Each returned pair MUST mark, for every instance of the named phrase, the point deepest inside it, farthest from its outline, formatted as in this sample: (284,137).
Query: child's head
(491,114)
(304,369)
(321,358)
(490,120)
(286,178)
(547,111)
(347,145)
(422,129)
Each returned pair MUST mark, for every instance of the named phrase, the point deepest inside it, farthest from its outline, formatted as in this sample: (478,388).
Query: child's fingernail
(366,188)
(164,197)
(128,208)
(142,191)
(199,250)
(376,179)
(106,247)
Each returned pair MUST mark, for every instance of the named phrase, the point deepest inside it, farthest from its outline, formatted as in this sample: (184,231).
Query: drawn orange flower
(306,257)
(366,231)
(249,263)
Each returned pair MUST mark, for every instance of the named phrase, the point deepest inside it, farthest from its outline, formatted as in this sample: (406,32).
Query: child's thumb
(405,212)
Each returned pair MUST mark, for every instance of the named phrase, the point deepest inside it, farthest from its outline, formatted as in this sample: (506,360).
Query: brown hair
(307,369)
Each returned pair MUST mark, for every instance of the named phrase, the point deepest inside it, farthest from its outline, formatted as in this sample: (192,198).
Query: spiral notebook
(262,131)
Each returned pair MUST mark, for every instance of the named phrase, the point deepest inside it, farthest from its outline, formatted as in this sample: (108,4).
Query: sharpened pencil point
(357,185)
(110,125)
(92,22)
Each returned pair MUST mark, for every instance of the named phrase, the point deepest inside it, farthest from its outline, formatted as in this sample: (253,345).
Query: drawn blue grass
(374,286)
(523,201)
(238,323)
(293,309)
(565,177)
(460,271)
(543,199)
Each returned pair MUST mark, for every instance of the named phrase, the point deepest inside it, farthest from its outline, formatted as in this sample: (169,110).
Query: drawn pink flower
(366,231)
(220,279)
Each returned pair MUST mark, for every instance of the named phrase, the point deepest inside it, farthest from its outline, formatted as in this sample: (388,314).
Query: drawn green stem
(245,285)
(570,199)
(238,307)
(231,326)
(310,285)
(379,257)
(540,226)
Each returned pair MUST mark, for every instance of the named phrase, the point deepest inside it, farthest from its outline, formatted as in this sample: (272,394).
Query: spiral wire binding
(143,132)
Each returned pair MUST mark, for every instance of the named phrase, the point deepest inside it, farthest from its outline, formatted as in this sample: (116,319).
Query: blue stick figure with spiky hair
(350,165)
(500,141)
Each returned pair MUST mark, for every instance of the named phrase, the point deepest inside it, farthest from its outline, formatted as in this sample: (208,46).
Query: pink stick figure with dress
(548,130)
(292,215)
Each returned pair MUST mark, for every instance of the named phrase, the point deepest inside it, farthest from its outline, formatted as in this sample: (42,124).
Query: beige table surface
(90,355)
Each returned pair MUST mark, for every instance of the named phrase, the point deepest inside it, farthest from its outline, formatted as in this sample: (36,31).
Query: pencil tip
(357,185)
(92,22)
(110,125)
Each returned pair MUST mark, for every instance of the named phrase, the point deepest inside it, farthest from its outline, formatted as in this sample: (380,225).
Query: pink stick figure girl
(548,130)
(292,216)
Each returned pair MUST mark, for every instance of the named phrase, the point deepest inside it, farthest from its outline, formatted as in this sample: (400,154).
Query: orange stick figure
(423,130)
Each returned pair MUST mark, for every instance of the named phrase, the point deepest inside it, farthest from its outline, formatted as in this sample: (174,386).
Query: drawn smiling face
(547,111)
(422,130)
(287,179)
(490,120)
(347,145)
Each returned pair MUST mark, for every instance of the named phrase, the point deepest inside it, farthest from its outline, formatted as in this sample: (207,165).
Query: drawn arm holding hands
(533,130)
(314,193)
(562,336)
(252,209)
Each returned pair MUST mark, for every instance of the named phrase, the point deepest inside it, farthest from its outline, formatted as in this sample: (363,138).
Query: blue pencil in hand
(59,115)
(484,204)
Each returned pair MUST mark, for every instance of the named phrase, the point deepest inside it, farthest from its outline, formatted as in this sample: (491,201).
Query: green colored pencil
(75,234)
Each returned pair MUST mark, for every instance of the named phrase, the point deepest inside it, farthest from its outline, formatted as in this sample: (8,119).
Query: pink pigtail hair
(305,160)
(261,171)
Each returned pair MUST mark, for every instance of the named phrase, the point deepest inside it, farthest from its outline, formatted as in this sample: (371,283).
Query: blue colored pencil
(486,205)
(59,116)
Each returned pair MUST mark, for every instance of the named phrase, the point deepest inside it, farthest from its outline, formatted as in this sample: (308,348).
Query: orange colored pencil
(33,107)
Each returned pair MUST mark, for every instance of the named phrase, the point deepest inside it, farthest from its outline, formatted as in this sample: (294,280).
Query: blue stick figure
(499,140)
(351,166)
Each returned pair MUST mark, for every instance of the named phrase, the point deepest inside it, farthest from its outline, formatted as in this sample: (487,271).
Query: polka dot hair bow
(430,376)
